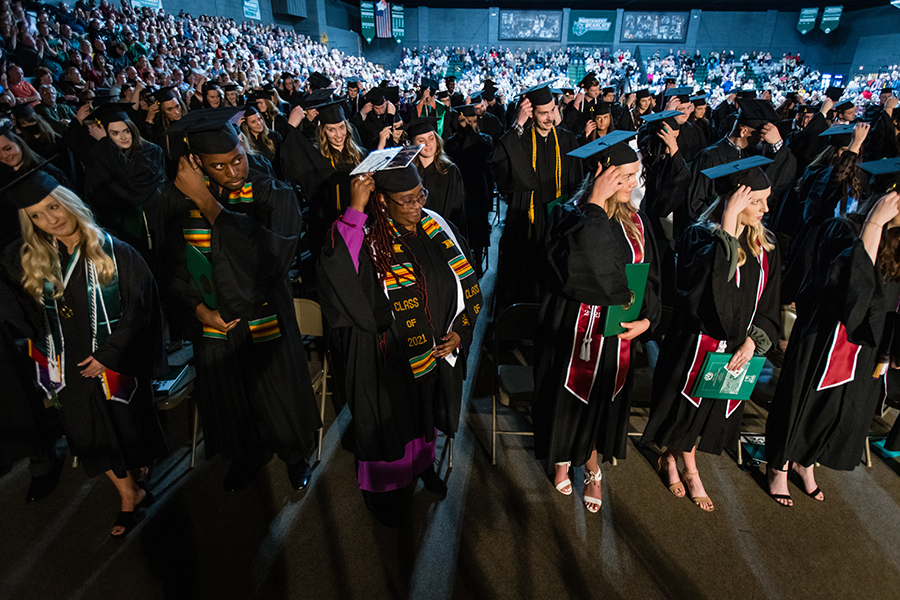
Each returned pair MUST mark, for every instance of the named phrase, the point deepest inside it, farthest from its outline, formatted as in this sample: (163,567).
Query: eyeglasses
(420,200)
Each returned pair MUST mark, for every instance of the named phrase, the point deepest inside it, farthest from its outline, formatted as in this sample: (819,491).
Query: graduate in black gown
(631,120)
(700,121)
(472,151)
(534,172)
(229,237)
(805,143)
(167,109)
(728,301)
(97,337)
(832,379)
(442,179)
(401,297)
(260,139)
(581,402)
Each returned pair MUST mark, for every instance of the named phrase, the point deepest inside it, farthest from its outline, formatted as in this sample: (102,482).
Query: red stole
(706,343)
(840,364)
(588,342)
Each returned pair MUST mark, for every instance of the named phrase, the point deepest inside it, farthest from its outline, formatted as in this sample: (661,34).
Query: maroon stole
(588,343)
(706,343)
(840,364)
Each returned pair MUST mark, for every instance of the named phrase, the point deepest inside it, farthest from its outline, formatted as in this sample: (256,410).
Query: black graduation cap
(490,83)
(29,188)
(231,87)
(317,80)
(449,78)
(644,93)
(209,85)
(746,94)
(330,113)
(756,113)
(839,135)
(488,93)
(164,94)
(568,91)
(250,110)
(431,84)
(846,105)
(670,80)
(376,96)
(268,86)
(834,93)
(442,94)
(475,97)
(610,150)
(288,75)
(683,93)
(110,113)
(666,116)
(421,126)
(728,177)
(317,97)
(23,111)
(600,108)
(887,90)
(352,82)
(259,95)
(539,94)
(467,111)
(392,94)
(589,81)
(209,131)
(886,173)
(395,181)
(808,109)
(610,89)
(699,100)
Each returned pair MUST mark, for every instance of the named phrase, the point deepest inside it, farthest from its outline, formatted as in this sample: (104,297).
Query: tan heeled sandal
(699,500)
(662,470)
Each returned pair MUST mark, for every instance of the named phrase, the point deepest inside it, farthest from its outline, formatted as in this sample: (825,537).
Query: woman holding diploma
(727,285)
(581,404)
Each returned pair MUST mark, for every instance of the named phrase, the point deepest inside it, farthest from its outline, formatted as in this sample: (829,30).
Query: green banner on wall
(367,19)
(831,16)
(592,26)
(397,21)
(251,9)
(807,20)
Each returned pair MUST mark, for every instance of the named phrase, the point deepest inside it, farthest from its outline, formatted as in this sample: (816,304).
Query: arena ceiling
(730,5)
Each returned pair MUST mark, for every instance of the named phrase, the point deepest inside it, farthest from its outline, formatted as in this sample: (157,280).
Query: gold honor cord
(337,188)
(534,166)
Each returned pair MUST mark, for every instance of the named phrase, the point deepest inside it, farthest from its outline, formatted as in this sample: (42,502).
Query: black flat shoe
(240,474)
(299,474)
(127,520)
(41,486)
(433,482)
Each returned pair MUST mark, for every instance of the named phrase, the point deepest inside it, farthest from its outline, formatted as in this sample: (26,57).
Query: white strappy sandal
(565,482)
(591,477)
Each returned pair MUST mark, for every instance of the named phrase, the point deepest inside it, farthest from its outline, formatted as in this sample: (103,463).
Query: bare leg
(592,488)
(778,484)
(670,463)
(130,494)
(809,480)
(562,474)
(691,478)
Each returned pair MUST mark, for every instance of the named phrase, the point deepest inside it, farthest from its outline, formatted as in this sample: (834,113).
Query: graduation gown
(472,151)
(253,387)
(806,143)
(587,252)
(882,141)
(825,400)
(446,193)
(498,110)
(390,407)
(491,126)
(370,127)
(273,156)
(522,244)
(725,310)
(691,140)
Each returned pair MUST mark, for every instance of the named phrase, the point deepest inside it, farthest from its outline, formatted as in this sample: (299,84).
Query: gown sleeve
(512,164)
(181,293)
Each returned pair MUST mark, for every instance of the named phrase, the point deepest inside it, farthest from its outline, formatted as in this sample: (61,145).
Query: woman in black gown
(260,139)
(97,337)
(442,179)
(827,394)
(581,402)
(727,301)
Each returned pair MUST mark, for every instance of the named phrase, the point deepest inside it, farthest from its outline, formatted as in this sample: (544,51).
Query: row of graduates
(724,296)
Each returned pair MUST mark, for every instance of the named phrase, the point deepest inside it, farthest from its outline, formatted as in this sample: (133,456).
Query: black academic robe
(522,244)
(843,288)
(109,435)
(254,392)
(446,194)
(720,115)
(708,303)
(490,125)
(472,151)
(390,407)
(273,156)
(123,190)
(882,141)
(629,121)
(806,144)
(587,254)
(498,110)
(370,128)
(691,140)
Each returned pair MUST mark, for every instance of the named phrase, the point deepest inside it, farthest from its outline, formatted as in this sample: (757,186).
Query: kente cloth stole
(409,306)
(587,345)
(706,343)
(558,173)
(198,233)
(49,351)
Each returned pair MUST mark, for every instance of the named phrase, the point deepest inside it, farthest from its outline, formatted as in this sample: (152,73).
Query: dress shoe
(433,482)
(241,473)
(299,473)
(41,486)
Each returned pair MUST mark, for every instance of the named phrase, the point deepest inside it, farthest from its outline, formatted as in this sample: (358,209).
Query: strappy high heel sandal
(662,470)
(591,477)
(565,482)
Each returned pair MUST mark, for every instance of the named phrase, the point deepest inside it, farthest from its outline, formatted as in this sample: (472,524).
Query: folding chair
(309,319)
(513,382)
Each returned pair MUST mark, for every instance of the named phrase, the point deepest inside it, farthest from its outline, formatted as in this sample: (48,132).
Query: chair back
(309,317)
(517,322)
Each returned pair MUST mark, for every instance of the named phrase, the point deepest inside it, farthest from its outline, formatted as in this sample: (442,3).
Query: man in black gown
(230,235)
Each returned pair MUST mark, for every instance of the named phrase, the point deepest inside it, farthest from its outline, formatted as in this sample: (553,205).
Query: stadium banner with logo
(367,19)
(831,17)
(807,20)
(592,26)
(397,22)
(251,10)
(153,4)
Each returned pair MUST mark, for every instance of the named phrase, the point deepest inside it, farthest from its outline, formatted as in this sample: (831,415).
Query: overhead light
(895,3)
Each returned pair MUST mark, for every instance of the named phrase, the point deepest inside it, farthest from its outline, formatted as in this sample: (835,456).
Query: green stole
(413,321)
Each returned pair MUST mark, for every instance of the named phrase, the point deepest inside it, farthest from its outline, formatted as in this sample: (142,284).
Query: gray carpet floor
(501,532)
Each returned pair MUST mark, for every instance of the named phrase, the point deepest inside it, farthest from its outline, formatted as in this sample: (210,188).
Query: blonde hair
(350,154)
(758,238)
(39,251)
(615,210)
